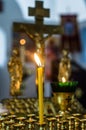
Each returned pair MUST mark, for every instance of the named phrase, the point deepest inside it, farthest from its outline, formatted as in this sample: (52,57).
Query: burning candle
(63,79)
(40,88)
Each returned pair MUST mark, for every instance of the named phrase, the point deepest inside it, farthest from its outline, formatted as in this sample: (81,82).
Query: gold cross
(39,12)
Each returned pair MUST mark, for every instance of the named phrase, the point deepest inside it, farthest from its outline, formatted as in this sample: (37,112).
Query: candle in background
(22,50)
(40,88)
(63,79)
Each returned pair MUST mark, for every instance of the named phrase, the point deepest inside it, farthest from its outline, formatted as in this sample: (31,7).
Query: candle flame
(37,59)
(63,79)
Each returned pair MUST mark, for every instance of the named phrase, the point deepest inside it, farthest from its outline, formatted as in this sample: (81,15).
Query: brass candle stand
(20,120)
(30,124)
(18,126)
(51,123)
(68,121)
(30,116)
(71,122)
(8,125)
(63,125)
(41,126)
(2,120)
(83,124)
(63,97)
(76,123)
(64,88)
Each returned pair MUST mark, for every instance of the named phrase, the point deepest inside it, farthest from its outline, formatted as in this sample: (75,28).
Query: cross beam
(33,28)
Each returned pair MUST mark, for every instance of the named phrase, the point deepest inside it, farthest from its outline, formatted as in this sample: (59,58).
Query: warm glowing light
(59,100)
(37,60)
(22,41)
(63,79)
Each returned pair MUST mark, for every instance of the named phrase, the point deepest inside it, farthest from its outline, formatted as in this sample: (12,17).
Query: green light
(71,83)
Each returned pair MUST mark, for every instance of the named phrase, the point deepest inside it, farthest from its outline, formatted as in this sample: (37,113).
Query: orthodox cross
(39,12)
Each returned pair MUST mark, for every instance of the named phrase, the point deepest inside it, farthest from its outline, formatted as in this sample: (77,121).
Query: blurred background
(17,11)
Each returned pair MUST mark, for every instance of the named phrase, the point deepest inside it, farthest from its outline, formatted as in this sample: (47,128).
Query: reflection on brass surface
(18,126)
(15,71)
(76,115)
(30,116)
(11,117)
(5,114)
(20,119)
(8,125)
(64,68)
